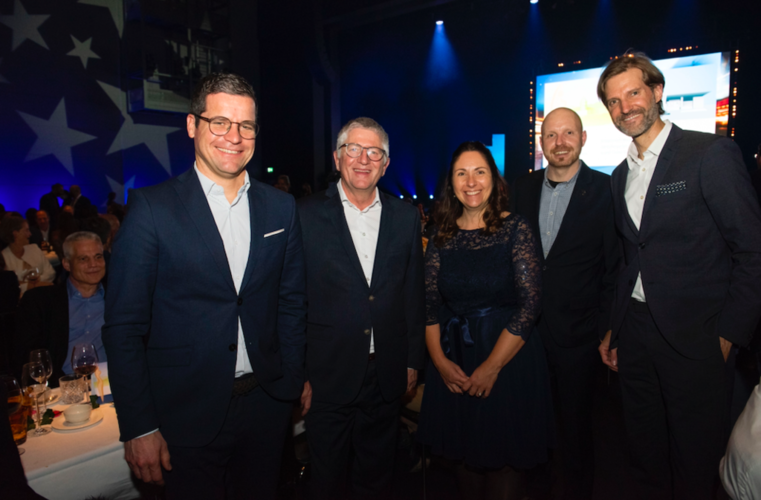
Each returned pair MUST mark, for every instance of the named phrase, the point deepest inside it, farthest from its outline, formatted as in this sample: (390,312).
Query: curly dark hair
(451,209)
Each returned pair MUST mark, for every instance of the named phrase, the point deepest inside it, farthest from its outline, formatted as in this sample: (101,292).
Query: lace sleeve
(432,296)
(528,279)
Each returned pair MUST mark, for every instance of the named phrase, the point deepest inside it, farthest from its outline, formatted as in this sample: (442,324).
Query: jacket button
(233,347)
(642,245)
(544,268)
(367,332)
(240,301)
(372,298)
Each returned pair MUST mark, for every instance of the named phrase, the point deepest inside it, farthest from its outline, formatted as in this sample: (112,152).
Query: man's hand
(306,398)
(411,379)
(146,456)
(609,356)
(726,347)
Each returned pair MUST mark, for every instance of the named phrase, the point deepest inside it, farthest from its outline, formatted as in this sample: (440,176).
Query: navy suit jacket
(172,311)
(698,246)
(343,307)
(579,272)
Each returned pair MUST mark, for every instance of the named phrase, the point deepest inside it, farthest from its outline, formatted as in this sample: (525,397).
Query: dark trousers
(574,371)
(243,460)
(358,438)
(674,409)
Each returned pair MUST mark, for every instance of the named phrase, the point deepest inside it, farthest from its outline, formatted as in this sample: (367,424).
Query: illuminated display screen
(696,97)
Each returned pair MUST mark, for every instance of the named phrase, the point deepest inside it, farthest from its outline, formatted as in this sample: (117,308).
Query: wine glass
(32,274)
(33,377)
(43,356)
(17,410)
(84,361)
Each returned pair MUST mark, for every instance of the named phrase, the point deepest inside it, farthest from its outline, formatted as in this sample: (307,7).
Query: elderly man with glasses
(366,320)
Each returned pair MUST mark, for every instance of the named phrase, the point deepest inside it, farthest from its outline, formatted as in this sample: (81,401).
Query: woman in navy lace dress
(487,402)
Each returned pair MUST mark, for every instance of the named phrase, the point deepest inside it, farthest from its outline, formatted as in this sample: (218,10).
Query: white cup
(78,413)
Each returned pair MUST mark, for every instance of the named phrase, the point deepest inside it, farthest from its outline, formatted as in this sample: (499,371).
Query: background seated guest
(21,257)
(67,225)
(740,469)
(113,221)
(41,232)
(56,318)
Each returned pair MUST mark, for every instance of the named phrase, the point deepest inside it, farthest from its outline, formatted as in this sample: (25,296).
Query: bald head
(562,138)
(563,114)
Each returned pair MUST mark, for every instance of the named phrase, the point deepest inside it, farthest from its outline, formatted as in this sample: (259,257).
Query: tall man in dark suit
(49,203)
(569,206)
(366,319)
(58,317)
(205,313)
(689,288)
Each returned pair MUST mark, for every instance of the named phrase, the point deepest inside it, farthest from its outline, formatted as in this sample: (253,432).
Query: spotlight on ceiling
(439,23)
(534,1)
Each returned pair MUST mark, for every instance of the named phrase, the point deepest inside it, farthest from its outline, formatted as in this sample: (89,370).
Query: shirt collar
(211,188)
(74,294)
(654,149)
(344,199)
(569,182)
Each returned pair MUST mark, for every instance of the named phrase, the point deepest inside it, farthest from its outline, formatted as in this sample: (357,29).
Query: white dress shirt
(364,226)
(234,225)
(740,469)
(637,184)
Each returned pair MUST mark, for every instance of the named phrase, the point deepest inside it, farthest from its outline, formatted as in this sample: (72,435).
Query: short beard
(649,117)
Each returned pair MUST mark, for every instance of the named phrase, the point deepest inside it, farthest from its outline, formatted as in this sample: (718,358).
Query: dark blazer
(49,203)
(343,308)
(172,311)
(82,208)
(43,323)
(579,273)
(698,246)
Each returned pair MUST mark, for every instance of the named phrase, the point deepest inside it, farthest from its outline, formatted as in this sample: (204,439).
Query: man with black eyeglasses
(205,313)
(365,320)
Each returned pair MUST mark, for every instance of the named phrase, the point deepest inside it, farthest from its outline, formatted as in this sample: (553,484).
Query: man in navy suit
(366,319)
(569,206)
(205,313)
(689,288)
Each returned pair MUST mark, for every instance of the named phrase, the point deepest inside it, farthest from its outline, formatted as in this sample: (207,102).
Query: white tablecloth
(79,464)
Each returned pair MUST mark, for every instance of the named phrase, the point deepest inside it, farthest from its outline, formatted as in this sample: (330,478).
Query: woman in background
(27,261)
(487,401)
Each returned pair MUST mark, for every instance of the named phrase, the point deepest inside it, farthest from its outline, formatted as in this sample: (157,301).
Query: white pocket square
(273,233)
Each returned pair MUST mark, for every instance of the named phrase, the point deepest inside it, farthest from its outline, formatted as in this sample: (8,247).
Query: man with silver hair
(57,317)
(365,318)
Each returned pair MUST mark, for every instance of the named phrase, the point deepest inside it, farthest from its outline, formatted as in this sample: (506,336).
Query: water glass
(72,389)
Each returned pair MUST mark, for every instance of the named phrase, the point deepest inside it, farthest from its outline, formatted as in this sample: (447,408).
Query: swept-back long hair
(451,209)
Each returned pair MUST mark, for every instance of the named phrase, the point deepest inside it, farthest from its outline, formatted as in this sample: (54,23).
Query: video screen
(696,97)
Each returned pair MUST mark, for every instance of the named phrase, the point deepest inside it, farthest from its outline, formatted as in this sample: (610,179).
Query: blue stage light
(431,197)
(414,197)
(401,196)
(442,66)
(439,23)
(534,1)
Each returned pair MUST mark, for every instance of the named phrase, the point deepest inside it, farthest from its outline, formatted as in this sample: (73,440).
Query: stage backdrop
(63,110)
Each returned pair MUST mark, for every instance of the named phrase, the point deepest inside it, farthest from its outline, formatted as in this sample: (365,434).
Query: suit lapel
(578,199)
(335,212)
(257,209)
(191,194)
(385,234)
(619,197)
(661,167)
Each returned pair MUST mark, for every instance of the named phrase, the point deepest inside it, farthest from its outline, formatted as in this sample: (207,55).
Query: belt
(244,384)
(636,305)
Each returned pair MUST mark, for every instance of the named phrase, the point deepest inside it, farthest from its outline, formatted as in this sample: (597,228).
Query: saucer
(61,425)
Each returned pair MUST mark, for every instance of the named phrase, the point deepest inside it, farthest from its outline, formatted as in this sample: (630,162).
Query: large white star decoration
(24,26)
(2,78)
(115,7)
(121,190)
(82,50)
(132,134)
(55,137)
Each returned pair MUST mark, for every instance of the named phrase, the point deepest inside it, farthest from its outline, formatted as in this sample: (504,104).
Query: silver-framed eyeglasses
(355,151)
(219,125)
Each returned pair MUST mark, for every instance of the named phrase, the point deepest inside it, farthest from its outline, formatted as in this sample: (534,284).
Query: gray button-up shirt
(552,206)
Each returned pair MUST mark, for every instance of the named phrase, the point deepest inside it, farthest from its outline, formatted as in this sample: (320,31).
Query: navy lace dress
(476,286)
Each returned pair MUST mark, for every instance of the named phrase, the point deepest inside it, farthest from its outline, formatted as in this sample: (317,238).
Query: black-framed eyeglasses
(219,125)
(355,151)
